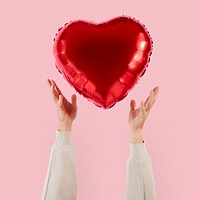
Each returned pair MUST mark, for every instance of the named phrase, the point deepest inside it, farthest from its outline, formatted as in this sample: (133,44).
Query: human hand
(66,111)
(138,116)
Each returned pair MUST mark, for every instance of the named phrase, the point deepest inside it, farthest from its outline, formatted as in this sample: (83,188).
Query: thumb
(132,105)
(73,99)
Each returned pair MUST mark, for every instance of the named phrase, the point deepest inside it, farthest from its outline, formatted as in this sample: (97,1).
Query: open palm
(138,116)
(66,111)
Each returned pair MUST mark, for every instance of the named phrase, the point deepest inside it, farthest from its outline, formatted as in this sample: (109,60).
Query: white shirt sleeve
(60,182)
(140,184)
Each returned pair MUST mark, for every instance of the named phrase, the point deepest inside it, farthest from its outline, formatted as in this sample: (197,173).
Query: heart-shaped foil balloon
(103,61)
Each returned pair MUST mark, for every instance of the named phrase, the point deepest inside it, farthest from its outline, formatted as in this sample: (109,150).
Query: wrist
(136,136)
(136,140)
(64,126)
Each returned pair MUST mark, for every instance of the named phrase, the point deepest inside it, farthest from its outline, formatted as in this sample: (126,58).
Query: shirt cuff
(138,151)
(62,138)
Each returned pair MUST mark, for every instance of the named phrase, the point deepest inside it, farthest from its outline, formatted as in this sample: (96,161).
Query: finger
(142,108)
(74,99)
(156,90)
(149,101)
(56,87)
(145,103)
(49,83)
(54,94)
(55,90)
(154,96)
(51,88)
(132,105)
(60,101)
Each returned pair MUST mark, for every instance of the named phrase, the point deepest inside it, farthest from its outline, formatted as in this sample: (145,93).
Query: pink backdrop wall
(28,115)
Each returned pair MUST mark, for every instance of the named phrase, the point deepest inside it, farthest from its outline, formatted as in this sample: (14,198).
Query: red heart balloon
(103,61)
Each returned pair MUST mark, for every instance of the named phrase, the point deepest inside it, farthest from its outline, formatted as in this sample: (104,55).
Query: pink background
(100,137)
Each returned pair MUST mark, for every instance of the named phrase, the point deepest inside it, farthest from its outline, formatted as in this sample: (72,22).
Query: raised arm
(60,182)
(140,183)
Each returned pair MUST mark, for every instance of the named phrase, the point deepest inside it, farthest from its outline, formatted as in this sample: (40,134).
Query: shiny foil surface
(103,61)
